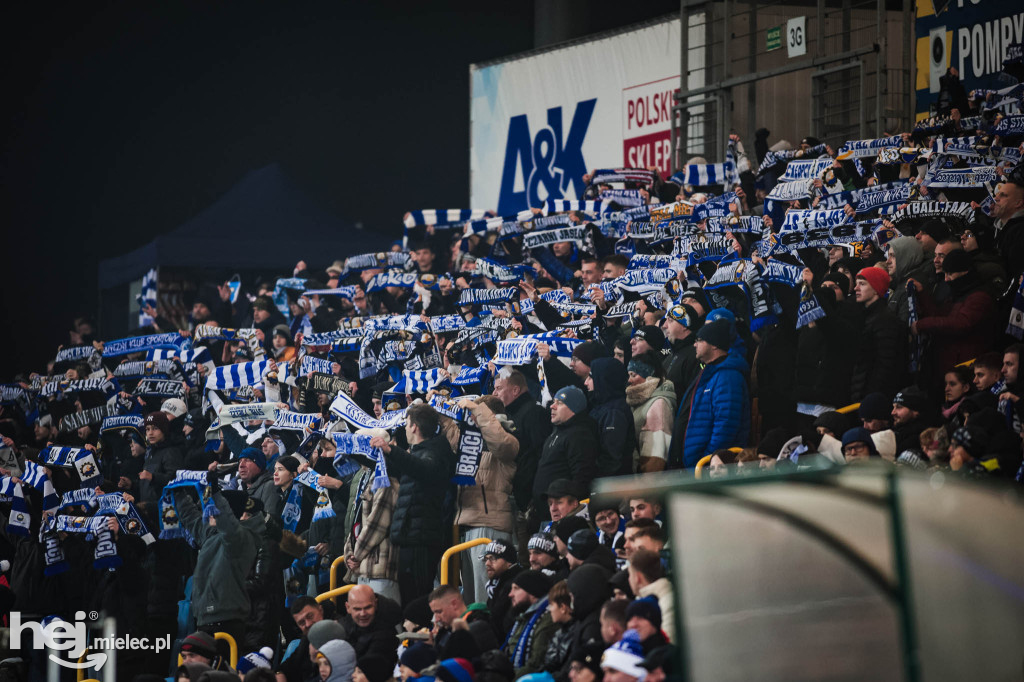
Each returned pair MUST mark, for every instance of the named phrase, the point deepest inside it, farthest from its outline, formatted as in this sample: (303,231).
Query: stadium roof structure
(264,222)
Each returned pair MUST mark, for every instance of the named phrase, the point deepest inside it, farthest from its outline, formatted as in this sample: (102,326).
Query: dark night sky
(122,121)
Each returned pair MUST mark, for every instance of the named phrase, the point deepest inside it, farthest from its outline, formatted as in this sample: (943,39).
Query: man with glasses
(858,446)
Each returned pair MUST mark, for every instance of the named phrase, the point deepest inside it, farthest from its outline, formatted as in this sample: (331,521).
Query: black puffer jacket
(533,426)
(681,366)
(162,460)
(424,475)
(881,360)
(569,452)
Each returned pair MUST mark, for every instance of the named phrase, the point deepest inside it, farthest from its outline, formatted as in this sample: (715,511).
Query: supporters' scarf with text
(861,149)
(471,441)
(623,197)
(76,420)
(372,261)
(540,238)
(960,211)
(105,554)
(916,342)
(417,381)
(809,308)
(137,344)
(160,388)
(229,414)
(323,509)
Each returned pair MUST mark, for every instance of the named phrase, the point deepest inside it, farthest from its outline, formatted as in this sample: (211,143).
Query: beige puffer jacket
(489,502)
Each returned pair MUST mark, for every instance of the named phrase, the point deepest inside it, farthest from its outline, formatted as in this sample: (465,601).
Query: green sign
(773,38)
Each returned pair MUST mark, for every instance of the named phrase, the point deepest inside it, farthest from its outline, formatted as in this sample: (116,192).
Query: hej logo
(549,160)
(58,635)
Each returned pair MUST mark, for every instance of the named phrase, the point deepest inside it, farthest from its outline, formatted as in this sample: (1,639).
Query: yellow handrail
(849,408)
(232,649)
(331,594)
(81,671)
(334,575)
(454,550)
(703,462)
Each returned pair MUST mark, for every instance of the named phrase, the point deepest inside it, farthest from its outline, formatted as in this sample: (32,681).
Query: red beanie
(877,278)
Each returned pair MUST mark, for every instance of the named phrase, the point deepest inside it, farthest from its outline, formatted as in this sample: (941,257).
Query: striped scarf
(18,520)
(419,381)
(80,460)
(239,374)
(137,344)
(524,645)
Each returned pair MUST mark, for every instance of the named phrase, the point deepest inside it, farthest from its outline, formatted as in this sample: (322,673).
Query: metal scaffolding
(841,81)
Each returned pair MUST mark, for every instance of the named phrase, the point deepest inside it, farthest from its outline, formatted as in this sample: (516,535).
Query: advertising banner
(539,122)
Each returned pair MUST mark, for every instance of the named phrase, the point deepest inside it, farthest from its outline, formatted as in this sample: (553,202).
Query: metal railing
(455,549)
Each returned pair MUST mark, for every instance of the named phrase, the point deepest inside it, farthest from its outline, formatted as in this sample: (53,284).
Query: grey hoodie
(342,658)
(910,262)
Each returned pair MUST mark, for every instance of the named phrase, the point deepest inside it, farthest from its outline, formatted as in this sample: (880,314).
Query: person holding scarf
(485,507)
(424,473)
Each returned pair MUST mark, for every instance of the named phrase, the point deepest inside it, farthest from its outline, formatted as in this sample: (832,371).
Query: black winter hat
(875,406)
(582,543)
(721,334)
(565,527)
(912,398)
(955,261)
(646,608)
(533,582)
(588,351)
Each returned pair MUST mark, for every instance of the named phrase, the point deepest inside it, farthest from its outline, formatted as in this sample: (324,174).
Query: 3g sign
(796,37)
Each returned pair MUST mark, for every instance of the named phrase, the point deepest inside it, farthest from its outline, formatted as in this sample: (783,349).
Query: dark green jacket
(226,555)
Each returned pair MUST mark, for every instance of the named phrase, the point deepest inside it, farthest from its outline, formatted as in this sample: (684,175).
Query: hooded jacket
(569,452)
(264,490)
(342,658)
(589,588)
(226,554)
(613,416)
(424,474)
(719,414)
(910,263)
(488,504)
(654,404)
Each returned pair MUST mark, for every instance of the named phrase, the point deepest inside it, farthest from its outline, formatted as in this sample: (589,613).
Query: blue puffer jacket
(720,414)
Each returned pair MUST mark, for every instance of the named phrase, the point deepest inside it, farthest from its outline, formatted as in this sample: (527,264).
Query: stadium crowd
(477,378)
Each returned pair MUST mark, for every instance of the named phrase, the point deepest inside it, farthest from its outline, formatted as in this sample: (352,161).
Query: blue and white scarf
(35,476)
(329,338)
(393,323)
(84,497)
(229,414)
(239,374)
(861,149)
(383,280)
(584,206)
(170,519)
(976,176)
(418,381)
(323,509)
(80,459)
(959,211)
(18,521)
(475,296)
(699,174)
(345,408)
(628,198)
(541,238)
(442,217)
(310,364)
(498,272)
(356,444)
(137,344)
(303,422)
(515,351)
(79,354)
(805,169)
(916,342)
(160,388)
(372,261)
(471,441)
(791,191)
(810,308)
(441,324)
(470,375)
(128,517)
